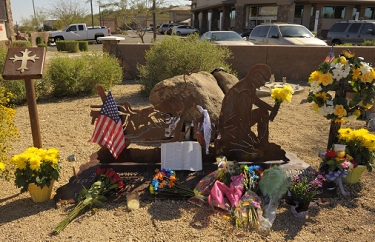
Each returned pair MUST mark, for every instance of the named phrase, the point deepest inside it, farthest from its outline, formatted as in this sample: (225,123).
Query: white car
(225,38)
(184,30)
(284,34)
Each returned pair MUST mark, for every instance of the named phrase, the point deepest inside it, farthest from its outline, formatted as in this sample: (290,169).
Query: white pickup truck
(79,32)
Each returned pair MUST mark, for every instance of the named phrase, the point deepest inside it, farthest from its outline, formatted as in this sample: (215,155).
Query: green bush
(61,45)
(43,45)
(369,43)
(83,45)
(71,46)
(75,76)
(21,43)
(174,56)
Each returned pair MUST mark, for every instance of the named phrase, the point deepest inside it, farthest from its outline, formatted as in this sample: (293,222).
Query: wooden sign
(24,63)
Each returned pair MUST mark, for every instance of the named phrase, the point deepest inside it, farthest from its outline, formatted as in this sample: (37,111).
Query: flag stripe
(108,130)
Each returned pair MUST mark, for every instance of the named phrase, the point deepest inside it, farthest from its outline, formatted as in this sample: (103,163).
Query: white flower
(351,118)
(365,68)
(315,87)
(324,110)
(340,71)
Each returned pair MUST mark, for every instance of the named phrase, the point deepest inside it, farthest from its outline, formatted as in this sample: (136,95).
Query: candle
(133,204)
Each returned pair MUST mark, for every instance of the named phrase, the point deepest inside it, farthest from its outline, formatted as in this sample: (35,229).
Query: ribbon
(336,176)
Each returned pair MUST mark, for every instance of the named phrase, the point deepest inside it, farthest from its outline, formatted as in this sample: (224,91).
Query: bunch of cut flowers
(106,182)
(165,182)
(280,95)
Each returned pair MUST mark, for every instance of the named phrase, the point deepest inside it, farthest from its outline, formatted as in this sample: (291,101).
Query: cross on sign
(24,58)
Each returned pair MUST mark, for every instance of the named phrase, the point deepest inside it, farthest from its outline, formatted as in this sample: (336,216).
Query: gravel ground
(66,125)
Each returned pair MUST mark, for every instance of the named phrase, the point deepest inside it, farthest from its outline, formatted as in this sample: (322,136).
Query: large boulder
(225,80)
(201,86)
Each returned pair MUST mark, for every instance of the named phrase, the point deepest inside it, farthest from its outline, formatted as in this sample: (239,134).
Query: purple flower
(316,182)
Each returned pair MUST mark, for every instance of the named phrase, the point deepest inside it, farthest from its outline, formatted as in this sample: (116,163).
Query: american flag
(108,129)
(331,56)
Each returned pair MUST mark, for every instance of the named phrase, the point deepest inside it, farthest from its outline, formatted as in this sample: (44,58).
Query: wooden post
(33,113)
(27,64)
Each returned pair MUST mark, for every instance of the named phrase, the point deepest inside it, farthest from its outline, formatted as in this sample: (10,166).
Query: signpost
(27,64)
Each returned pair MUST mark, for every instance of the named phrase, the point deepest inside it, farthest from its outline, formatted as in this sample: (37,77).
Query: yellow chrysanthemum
(35,162)
(322,95)
(326,79)
(315,76)
(356,73)
(340,111)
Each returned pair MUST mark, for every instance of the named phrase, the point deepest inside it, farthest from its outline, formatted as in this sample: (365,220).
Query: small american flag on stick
(108,129)
(331,56)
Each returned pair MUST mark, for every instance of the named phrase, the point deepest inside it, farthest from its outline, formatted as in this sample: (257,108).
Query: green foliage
(83,45)
(21,43)
(346,44)
(71,46)
(61,45)
(80,75)
(43,45)
(174,56)
(369,43)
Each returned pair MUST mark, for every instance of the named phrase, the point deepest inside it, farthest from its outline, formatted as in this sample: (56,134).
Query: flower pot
(354,174)
(40,194)
(300,212)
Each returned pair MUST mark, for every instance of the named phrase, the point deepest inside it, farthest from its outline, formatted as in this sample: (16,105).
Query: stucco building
(6,23)
(241,15)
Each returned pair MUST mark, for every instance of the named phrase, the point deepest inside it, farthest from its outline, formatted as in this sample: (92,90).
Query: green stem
(61,226)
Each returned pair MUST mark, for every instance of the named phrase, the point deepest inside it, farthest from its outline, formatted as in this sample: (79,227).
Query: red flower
(120,184)
(110,173)
(331,153)
(355,164)
(115,179)
(100,171)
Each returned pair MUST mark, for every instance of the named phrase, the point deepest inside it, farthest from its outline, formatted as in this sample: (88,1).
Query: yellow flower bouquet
(36,166)
(280,95)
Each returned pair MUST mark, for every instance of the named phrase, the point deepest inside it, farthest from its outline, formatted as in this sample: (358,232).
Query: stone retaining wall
(293,62)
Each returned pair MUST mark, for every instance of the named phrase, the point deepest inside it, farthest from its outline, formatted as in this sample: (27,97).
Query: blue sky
(24,8)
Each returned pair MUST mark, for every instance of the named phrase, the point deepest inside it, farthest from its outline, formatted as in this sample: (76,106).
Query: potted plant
(360,148)
(303,190)
(35,171)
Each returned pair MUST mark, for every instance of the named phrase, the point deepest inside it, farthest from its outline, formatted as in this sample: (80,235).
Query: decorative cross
(24,58)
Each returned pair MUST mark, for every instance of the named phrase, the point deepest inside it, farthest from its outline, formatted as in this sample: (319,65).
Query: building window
(335,12)
(253,11)
(370,13)
(233,14)
(298,11)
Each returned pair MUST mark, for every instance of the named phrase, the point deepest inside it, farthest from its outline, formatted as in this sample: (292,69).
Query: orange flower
(322,96)
(159,176)
(356,73)
(171,184)
(162,184)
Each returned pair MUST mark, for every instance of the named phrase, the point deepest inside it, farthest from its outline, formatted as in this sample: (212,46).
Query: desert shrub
(8,130)
(83,45)
(174,56)
(61,45)
(346,44)
(71,46)
(43,45)
(369,43)
(21,43)
(75,76)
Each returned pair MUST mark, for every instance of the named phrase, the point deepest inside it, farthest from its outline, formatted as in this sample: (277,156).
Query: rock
(225,80)
(202,86)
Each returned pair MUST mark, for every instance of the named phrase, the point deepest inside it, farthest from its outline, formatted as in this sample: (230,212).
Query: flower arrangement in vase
(36,166)
(347,73)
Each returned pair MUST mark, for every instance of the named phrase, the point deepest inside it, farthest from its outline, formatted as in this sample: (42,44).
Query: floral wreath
(344,72)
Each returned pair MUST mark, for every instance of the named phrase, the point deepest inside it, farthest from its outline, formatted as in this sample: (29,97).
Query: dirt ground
(66,125)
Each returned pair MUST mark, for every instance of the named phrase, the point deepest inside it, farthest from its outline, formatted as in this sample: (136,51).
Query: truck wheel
(58,38)
(336,42)
(98,41)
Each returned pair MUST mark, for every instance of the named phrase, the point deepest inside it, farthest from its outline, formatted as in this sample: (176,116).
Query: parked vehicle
(224,38)
(164,27)
(79,32)
(283,34)
(246,34)
(184,30)
(354,32)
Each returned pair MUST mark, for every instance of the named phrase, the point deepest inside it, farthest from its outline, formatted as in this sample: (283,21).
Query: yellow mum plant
(360,144)
(36,165)
(280,95)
